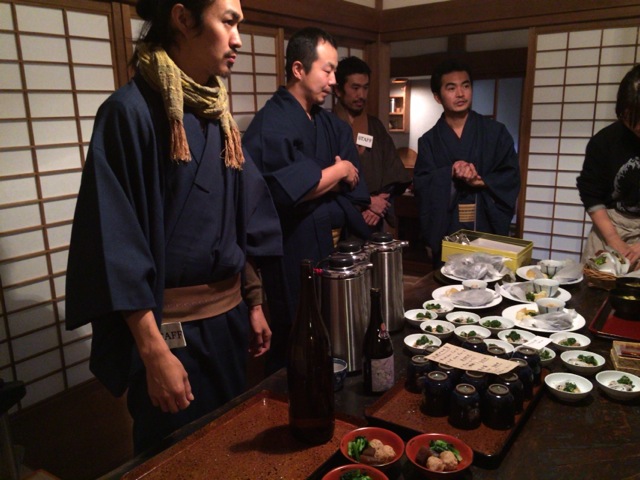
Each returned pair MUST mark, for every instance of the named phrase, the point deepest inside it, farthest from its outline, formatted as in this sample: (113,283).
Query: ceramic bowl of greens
(619,385)
(438,328)
(416,316)
(375,446)
(582,362)
(417,342)
(568,387)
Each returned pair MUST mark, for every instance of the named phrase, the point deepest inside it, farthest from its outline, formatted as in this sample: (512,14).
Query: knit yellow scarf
(177,89)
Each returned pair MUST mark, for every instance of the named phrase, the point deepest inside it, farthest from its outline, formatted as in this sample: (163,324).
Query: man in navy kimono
(467,174)
(310,163)
(168,213)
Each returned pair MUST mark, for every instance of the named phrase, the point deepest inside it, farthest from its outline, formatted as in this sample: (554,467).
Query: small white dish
(463,332)
(549,305)
(438,328)
(515,336)
(410,342)
(463,318)
(569,357)
(547,356)
(440,306)
(509,348)
(496,323)
(547,285)
(606,377)
(557,382)
(412,316)
(551,267)
(569,341)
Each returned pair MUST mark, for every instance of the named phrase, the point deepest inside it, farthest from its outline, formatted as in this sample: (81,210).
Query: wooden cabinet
(399,102)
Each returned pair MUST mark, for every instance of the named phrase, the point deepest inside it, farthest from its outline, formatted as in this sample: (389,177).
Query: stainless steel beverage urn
(385,254)
(345,306)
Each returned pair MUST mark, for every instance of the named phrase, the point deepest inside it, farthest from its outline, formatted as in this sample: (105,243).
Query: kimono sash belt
(185,304)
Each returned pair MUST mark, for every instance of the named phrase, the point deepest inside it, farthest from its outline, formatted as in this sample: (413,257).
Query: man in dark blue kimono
(467,174)
(310,163)
(168,213)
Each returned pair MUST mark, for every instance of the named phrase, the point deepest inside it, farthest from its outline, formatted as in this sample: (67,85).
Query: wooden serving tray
(607,325)
(250,441)
(400,408)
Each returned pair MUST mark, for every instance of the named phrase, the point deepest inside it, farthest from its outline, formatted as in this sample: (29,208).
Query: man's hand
(380,204)
(168,383)
(260,332)
(467,172)
(167,380)
(350,174)
(370,218)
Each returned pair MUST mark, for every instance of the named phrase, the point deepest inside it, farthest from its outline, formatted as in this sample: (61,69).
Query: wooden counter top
(597,438)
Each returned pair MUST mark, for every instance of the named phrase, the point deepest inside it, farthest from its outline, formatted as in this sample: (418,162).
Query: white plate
(510,312)
(460,279)
(522,273)
(561,295)
(440,294)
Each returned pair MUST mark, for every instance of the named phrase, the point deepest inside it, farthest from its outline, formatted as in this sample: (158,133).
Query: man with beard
(467,174)
(170,219)
(381,166)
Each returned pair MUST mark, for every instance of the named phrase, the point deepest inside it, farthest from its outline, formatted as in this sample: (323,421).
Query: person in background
(381,166)
(609,183)
(467,174)
(310,163)
(170,214)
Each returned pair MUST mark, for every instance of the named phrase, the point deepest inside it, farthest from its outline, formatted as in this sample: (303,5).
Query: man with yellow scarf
(166,238)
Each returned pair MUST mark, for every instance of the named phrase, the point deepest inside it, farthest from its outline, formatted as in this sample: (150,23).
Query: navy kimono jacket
(291,150)
(489,146)
(144,223)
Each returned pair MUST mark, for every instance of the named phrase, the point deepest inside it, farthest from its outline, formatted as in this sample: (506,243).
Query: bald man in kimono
(310,163)
(467,174)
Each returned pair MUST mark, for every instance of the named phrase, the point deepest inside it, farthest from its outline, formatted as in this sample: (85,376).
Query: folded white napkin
(473,298)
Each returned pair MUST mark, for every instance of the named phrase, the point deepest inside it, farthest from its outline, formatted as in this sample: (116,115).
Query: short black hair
(157,30)
(303,48)
(445,67)
(628,99)
(350,66)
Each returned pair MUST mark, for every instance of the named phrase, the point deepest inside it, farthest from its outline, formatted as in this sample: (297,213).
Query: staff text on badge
(364,140)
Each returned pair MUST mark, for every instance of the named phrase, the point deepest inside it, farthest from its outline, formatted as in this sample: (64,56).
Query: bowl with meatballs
(373,446)
(438,455)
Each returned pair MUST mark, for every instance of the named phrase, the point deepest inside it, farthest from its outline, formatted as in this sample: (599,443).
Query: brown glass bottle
(377,351)
(310,368)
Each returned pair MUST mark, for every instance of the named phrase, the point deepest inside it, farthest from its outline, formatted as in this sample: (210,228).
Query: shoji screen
(575,79)
(55,69)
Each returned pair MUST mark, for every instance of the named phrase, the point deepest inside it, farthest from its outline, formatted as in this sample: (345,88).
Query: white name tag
(364,140)
(538,342)
(173,335)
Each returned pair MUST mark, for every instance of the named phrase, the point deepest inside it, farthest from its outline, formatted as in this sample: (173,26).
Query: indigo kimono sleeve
(111,265)
(432,188)
(503,178)
(289,173)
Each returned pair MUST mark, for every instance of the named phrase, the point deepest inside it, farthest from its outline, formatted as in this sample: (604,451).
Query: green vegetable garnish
(439,446)
(421,315)
(432,306)
(437,329)
(356,447)
(513,336)
(600,260)
(355,475)
(492,323)
(568,342)
(626,381)
(471,333)
(590,359)
(423,340)
(545,354)
(530,296)
(570,387)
